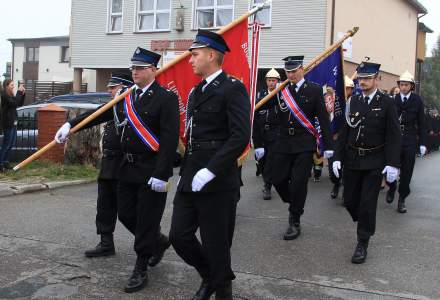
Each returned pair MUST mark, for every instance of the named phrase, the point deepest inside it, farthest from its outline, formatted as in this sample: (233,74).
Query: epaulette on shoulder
(232,78)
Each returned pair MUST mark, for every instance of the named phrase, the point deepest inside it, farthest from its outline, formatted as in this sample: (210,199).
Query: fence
(42,90)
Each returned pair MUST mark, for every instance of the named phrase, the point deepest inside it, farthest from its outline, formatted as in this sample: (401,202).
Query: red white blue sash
(298,113)
(142,130)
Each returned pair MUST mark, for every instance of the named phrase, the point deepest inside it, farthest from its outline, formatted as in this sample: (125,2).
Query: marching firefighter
(410,110)
(264,134)
(368,144)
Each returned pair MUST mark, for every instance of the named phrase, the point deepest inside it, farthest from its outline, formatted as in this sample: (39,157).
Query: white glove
(158,185)
(392,173)
(336,167)
(62,133)
(201,178)
(328,154)
(422,150)
(259,153)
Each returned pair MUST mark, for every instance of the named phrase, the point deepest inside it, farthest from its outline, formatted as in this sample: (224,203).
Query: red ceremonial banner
(180,78)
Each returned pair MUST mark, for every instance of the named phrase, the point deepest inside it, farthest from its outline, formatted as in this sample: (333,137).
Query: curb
(37,187)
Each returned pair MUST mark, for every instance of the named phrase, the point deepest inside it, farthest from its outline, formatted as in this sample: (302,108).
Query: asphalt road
(43,236)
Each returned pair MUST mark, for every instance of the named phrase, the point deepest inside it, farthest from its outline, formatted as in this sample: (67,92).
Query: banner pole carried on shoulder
(310,66)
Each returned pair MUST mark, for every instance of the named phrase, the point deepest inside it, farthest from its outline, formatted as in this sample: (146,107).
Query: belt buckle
(266,127)
(130,157)
(361,152)
(291,131)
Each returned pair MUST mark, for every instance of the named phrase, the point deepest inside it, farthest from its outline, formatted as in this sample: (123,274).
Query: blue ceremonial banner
(330,74)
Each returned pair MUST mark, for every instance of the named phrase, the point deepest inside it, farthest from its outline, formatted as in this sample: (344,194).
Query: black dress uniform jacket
(266,121)
(311,101)
(412,120)
(9,106)
(378,129)
(224,110)
(158,109)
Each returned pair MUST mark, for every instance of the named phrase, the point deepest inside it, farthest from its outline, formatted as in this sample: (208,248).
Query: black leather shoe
(204,292)
(293,230)
(401,207)
(335,191)
(139,278)
(390,197)
(163,245)
(267,194)
(105,248)
(360,253)
(224,292)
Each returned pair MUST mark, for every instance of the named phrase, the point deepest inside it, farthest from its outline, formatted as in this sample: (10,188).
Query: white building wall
(18,59)
(50,67)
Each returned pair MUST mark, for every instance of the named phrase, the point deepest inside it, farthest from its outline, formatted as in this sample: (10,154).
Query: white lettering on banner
(172,87)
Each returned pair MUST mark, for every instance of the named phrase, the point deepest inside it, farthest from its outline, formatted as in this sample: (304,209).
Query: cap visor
(197,46)
(290,69)
(366,75)
(140,64)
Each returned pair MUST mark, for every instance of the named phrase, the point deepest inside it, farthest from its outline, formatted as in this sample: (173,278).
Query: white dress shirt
(210,78)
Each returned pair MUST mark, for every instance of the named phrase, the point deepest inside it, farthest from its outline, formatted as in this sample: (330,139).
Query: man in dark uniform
(218,131)
(106,206)
(410,110)
(368,144)
(293,150)
(149,138)
(265,130)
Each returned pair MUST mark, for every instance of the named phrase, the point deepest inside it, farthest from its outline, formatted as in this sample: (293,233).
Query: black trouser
(407,161)
(291,178)
(140,210)
(267,164)
(107,206)
(214,215)
(361,190)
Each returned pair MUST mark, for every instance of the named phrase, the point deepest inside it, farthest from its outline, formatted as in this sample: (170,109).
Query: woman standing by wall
(9,104)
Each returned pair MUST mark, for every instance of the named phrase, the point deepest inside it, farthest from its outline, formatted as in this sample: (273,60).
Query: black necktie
(366,99)
(199,88)
(202,84)
(138,94)
(404,99)
(293,88)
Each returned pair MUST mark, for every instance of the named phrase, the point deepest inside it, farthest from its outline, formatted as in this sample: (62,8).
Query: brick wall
(50,119)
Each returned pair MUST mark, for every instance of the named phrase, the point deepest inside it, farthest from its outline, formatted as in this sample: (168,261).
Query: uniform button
(196,110)
(194,125)
(362,144)
(362,134)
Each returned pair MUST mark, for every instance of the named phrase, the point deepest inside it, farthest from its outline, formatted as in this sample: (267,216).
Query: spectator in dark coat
(9,104)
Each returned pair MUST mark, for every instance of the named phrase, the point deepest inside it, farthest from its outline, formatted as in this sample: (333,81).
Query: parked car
(27,126)
(93,98)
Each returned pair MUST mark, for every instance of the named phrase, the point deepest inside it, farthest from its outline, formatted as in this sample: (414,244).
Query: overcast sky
(31,18)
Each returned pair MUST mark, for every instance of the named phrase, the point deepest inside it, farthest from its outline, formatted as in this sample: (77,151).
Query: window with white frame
(153,15)
(65,54)
(115,16)
(213,13)
(264,16)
